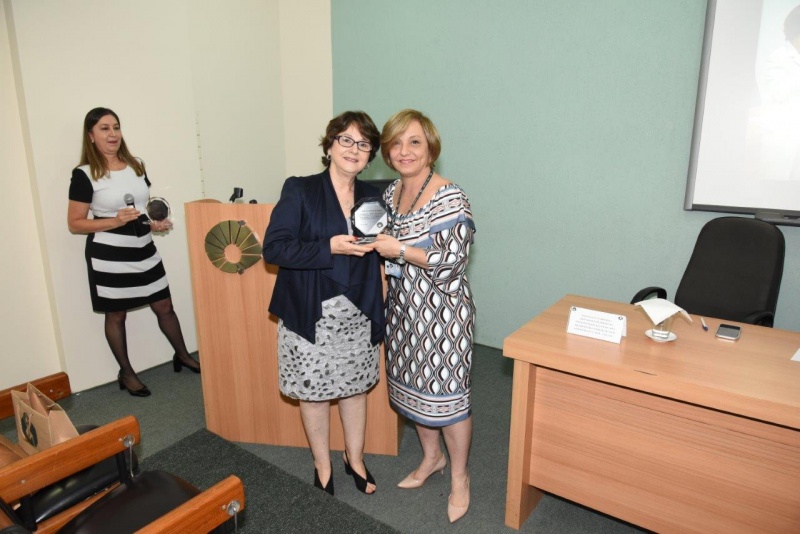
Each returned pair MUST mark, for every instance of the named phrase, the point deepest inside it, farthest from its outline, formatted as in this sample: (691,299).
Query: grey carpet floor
(425,509)
(175,411)
(275,501)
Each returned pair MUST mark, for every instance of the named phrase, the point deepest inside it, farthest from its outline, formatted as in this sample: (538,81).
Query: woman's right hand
(387,246)
(126,215)
(78,220)
(346,244)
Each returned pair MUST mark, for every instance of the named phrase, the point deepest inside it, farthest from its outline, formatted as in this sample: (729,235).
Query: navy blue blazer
(298,242)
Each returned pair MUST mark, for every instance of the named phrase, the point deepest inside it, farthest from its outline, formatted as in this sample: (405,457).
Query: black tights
(118,341)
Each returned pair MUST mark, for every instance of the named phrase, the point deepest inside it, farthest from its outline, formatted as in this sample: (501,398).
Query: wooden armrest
(56,387)
(33,473)
(202,513)
(5,521)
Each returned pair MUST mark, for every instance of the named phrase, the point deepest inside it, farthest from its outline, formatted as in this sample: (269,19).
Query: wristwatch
(401,259)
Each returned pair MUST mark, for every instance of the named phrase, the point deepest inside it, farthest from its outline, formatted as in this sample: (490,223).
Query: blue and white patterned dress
(430,314)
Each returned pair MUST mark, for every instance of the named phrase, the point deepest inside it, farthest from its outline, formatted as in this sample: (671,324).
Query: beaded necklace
(396,210)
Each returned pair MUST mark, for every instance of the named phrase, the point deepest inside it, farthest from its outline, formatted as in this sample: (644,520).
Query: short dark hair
(342,122)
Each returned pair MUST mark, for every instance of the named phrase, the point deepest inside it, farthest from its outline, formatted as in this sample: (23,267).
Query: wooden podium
(237,341)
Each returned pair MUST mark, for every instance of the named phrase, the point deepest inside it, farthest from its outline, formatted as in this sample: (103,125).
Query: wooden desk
(695,435)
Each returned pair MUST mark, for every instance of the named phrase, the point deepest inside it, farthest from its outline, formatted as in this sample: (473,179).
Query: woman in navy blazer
(328,296)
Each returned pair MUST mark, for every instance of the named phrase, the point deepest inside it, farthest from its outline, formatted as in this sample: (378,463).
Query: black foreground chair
(48,502)
(734,273)
(152,502)
(45,491)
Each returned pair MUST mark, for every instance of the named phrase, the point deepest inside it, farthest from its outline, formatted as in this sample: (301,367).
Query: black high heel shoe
(177,365)
(361,483)
(318,484)
(141,392)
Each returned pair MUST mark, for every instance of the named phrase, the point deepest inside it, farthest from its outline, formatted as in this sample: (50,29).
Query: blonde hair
(398,123)
(92,157)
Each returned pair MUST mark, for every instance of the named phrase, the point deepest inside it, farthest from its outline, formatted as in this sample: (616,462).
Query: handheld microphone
(129,201)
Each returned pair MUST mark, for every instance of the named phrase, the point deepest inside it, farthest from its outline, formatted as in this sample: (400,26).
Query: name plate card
(596,324)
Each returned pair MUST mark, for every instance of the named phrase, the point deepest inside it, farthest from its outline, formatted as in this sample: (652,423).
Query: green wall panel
(569,124)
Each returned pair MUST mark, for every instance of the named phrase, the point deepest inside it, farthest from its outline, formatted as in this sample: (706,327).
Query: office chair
(734,273)
(153,501)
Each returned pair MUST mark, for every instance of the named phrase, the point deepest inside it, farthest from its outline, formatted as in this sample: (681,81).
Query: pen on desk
(705,326)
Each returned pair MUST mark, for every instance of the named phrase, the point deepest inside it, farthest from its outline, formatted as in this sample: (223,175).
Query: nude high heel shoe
(454,513)
(412,483)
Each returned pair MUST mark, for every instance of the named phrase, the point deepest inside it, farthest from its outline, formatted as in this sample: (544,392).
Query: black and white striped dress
(125,269)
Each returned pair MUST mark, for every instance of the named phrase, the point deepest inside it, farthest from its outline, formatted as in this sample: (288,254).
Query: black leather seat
(68,492)
(133,505)
(15,529)
(734,272)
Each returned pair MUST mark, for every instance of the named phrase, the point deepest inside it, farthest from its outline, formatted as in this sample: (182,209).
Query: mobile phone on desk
(729,332)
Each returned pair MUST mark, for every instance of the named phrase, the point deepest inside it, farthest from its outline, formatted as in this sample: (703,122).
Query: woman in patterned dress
(430,313)
(328,296)
(125,269)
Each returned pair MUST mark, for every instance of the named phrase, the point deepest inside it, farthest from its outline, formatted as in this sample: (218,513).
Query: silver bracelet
(401,259)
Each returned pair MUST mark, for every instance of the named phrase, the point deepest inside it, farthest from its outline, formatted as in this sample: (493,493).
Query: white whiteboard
(746,144)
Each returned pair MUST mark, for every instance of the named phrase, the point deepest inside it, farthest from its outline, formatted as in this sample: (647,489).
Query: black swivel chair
(734,273)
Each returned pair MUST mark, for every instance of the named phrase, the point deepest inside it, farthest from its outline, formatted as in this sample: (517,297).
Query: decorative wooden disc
(232,234)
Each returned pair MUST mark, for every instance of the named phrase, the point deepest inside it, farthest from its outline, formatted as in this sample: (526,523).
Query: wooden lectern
(237,338)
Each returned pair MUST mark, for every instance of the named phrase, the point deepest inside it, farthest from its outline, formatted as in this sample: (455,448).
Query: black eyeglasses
(347,142)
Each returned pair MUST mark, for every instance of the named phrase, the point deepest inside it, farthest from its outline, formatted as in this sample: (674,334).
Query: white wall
(198,87)
(307,76)
(27,328)
(237,88)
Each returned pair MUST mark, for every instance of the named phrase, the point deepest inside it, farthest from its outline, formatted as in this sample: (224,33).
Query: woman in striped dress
(430,314)
(125,270)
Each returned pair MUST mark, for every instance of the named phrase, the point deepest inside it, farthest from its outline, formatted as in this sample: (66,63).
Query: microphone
(129,201)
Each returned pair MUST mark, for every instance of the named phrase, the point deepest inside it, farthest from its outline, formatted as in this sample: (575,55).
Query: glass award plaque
(369,218)
(157,209)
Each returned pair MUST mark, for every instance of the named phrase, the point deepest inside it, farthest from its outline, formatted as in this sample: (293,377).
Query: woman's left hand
(161,226)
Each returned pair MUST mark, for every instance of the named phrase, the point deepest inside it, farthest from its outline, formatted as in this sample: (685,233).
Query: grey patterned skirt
(341,364)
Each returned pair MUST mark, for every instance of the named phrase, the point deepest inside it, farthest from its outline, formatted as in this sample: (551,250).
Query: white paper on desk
(596,324)
(796,356)
(659,309)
